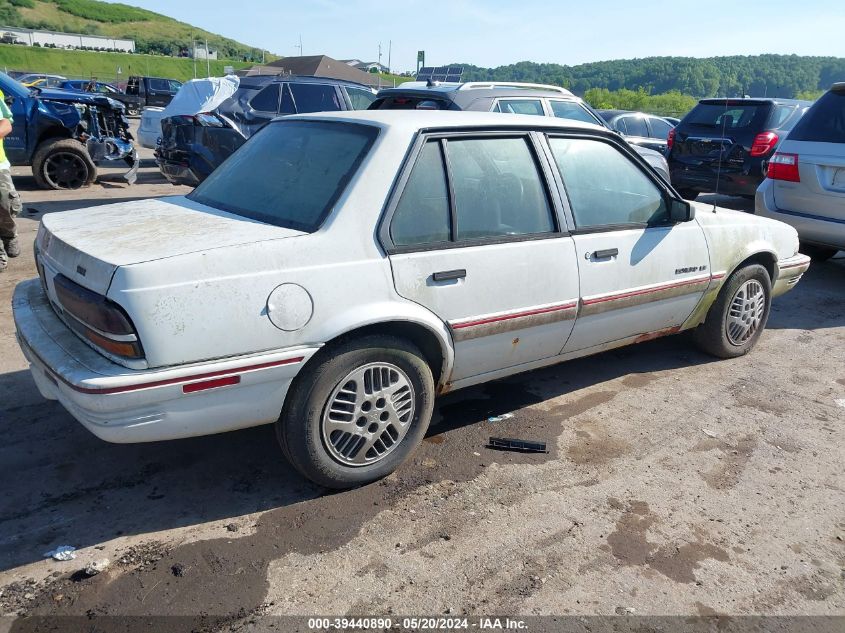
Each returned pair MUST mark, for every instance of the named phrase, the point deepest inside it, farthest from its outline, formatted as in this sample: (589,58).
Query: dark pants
(10,206)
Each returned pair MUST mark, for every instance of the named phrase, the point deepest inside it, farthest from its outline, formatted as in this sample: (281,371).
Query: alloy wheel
(746,312)
(65,170)
(368,414)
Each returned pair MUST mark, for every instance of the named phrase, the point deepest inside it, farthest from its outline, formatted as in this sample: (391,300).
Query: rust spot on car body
(648,336)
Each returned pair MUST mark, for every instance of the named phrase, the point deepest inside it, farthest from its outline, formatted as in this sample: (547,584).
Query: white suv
(340,270)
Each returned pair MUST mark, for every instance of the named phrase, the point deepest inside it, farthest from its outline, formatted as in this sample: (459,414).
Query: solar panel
(425,73)
(438,77)
(440,73)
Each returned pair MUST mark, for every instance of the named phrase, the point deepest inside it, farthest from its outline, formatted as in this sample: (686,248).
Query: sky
(495,32)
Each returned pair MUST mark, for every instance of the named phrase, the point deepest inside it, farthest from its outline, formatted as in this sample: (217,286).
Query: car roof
(320,80)
(473,89)
(754,101)
(411,121)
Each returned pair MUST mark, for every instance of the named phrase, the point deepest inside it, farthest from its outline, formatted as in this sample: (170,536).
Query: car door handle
(447,275)
(605,254)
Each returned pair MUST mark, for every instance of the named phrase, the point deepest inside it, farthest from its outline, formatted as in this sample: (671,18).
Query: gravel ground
(674,485)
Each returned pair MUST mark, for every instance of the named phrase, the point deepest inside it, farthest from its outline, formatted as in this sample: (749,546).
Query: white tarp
(202,95)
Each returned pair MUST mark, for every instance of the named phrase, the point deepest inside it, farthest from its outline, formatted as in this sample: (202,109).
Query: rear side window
(730,116)
(635,125)
(360,99)
(314,98)
(159,85)
(422,215)
(572,110)
(498,193)
(521,106)
(659,127)
(289,174)
(780,116)
(604,186)
(824,122)
(267,100)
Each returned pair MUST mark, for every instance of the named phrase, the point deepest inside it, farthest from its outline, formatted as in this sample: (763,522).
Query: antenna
(721,150)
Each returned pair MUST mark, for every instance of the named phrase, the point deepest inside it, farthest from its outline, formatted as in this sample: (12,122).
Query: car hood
(72,96)
(88,245)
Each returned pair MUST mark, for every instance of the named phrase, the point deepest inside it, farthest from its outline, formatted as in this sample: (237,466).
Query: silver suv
(806,178)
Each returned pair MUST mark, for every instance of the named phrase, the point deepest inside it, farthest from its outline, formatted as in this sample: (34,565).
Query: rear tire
(817,253)
(737,318)
(357,412)
(688,194)
(63,164)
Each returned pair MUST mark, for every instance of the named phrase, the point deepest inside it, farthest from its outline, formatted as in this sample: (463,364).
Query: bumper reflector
(211,384)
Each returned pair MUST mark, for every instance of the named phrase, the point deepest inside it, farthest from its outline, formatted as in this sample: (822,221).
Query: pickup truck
(149,91)
(62,135)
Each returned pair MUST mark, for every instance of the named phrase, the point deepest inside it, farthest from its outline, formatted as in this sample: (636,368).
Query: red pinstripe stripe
(794,265)
(514,315)
(176,381)
(645,291)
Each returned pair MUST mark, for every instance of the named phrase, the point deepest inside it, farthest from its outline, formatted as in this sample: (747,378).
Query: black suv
(192,146)
(511,98)
(729,141)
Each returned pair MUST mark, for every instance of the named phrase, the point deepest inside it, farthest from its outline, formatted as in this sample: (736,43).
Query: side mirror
(681,211)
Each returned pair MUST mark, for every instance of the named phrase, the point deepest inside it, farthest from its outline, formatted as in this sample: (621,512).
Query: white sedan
(341,270)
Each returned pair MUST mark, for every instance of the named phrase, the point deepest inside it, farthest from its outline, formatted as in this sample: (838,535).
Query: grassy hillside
(104,66)
(152,32)
(755,75)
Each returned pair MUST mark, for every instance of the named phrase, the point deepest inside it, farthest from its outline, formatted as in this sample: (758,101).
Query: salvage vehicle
(505,97)
(193,145)
(724,145)
(149,91)
(341,269)
(806,178)
(639,128)
(62,135)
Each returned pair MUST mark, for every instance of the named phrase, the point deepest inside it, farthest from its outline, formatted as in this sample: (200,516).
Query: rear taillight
(764,143)
(95,318)
(670,140)
(784,167)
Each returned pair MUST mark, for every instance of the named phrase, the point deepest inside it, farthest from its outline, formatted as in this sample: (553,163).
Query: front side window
(636,126)
(422,215)
(267,100)
(572,110)
(289,174)
(604,186)
(314,98)
(159,85)
(521,106)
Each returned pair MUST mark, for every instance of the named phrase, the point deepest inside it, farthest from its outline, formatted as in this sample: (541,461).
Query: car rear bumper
(790,271)
(812,229)
(121,405)
(178,173)
(730,181)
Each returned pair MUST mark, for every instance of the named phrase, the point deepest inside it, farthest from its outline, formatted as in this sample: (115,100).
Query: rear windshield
(409,103)
(824,121)
(289,174)
(731,116)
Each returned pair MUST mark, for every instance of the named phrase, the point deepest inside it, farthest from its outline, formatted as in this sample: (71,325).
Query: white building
(201,52)
(31,37)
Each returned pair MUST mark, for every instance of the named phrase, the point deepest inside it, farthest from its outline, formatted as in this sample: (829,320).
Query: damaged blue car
(64,135)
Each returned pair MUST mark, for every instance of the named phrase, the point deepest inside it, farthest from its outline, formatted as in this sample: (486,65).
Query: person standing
(10,200)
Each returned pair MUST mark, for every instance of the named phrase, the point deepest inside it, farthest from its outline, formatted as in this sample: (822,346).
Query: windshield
(289,174)
(11,87)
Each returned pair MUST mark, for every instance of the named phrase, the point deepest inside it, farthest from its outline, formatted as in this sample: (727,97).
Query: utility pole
(194,54)
(389,53)
(299,46)
(207,60)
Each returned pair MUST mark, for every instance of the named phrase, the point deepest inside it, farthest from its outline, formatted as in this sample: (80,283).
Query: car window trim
(638,161)
(424,136)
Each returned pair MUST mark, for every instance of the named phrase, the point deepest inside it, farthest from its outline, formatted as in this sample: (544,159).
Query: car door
(641,274)
(475,237)
(15,143)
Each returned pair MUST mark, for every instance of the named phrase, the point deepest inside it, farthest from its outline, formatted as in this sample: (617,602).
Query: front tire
(737,318)
(357,412)
(63,164)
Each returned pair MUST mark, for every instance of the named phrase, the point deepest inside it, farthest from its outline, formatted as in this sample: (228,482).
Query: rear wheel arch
(429,343)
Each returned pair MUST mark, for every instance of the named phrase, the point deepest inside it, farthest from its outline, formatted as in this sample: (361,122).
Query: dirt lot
(675,484)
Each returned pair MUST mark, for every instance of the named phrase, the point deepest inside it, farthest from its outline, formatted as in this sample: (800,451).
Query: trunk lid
(88,245)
